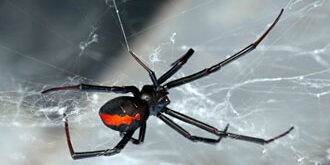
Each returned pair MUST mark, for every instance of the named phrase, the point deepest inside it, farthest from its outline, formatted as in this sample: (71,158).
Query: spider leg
(253,139)
(141,135)
(186,134)
(107,152)
(96,88)
(224,133)
(151,73)
(176,66)
(216,67)
(192,121)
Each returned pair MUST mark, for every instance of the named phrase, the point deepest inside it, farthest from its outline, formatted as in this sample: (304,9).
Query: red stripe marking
(117,120)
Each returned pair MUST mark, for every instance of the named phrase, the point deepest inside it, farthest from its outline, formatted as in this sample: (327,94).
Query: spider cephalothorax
(126,113)
(157,100)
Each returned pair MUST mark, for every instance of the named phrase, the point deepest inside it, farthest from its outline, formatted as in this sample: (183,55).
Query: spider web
(284,82)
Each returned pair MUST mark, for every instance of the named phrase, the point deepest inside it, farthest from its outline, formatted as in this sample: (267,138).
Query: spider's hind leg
(107,152)
(140,139)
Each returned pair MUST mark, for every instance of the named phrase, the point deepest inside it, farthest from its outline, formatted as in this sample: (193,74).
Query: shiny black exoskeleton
(128,113)
(157,100)
(124,113)
(132,112)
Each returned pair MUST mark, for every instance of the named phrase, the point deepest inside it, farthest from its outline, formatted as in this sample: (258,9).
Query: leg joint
(112,152)
(74,156)
(192,138)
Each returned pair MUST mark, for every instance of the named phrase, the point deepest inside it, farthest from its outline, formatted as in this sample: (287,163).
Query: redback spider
(126,114)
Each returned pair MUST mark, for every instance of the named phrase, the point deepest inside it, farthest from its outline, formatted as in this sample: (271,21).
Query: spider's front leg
(107,152)
(216,67)
(186,134)
(152,74)
(224,133)
(177,65)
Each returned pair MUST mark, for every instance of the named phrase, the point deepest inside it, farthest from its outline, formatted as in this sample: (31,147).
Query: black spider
(126,114)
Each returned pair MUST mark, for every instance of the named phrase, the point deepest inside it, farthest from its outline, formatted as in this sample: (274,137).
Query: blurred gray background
(284,82)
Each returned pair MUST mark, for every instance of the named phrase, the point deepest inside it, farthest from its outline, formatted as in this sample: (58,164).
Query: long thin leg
(216,67)
(141,135)
(176,66)
(151,73)
(96,88)
(190,120)
(186,134)
(215,131)
(108,152)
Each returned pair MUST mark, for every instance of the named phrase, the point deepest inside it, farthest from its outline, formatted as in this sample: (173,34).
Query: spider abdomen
(124,113)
